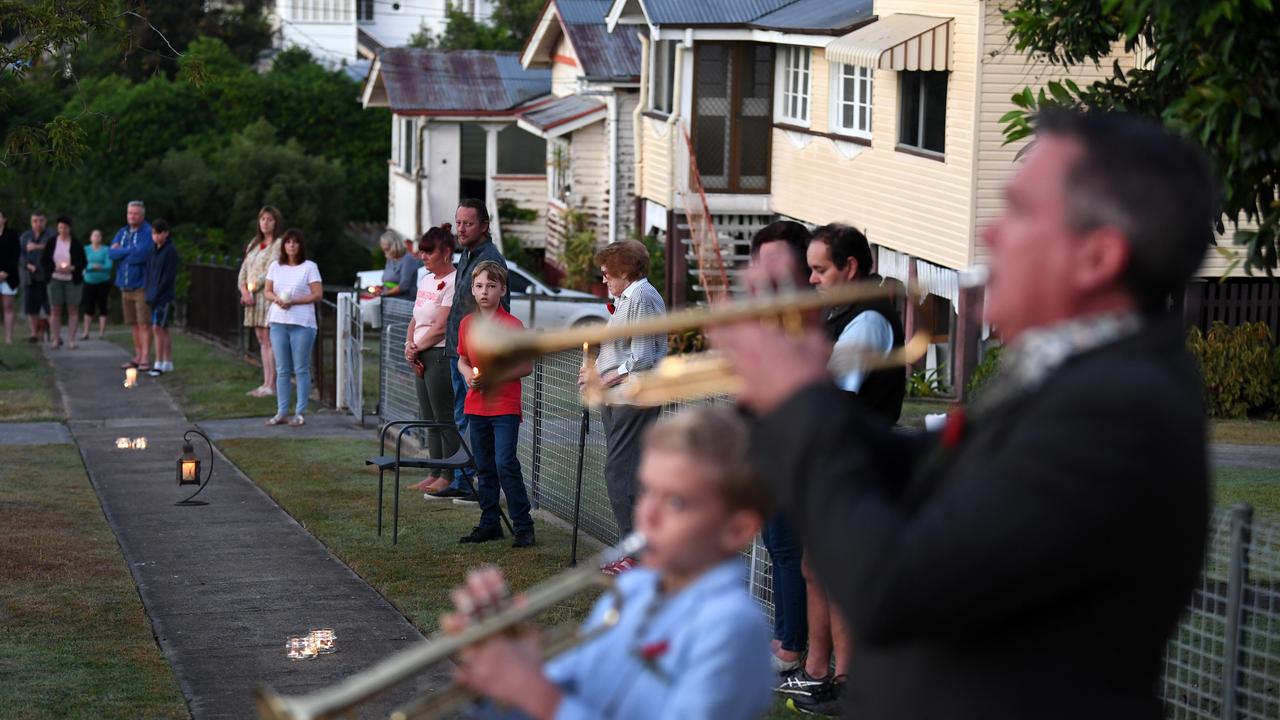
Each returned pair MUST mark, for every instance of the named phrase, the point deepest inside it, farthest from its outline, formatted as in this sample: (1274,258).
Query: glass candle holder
(325,640)
(300,648)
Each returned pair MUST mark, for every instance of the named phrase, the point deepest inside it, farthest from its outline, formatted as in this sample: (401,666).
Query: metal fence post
(1237,576)
(538,394)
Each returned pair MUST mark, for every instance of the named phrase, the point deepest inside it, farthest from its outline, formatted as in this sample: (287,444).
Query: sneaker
(482,534)
(826,701)
(524,538)
(618,567)
(155,372)
(799,683)
(433,496)
(466,498)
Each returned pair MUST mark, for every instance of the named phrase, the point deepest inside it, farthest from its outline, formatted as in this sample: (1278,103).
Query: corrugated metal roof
(801,15)
(816,15)
(564,110)
(605,55)
(459,81)
(584,12)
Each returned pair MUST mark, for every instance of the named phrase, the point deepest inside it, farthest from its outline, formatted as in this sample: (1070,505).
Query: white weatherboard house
(589,125)
(343,32)
(454,136)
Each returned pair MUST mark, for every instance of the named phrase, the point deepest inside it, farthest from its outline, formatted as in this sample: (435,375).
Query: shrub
(985,370)
(927,383)
(1239,367)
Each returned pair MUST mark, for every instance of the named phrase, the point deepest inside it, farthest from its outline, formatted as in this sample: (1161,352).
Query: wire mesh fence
(1223,660)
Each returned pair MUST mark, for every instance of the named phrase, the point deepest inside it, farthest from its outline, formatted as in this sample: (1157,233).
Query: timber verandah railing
(1223,661)
(212,310)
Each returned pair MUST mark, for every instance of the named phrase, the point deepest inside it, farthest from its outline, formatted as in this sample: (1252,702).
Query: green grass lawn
(1260,488)
(74,640)
(208,382)
(325,486)
(1245,432)
(27,391)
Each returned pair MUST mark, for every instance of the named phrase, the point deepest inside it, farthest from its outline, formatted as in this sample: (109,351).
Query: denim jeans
(493,442)
(459,414)
(790,616)
(291,346)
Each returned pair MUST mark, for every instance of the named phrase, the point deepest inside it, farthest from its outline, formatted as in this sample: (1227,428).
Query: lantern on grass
(189,466)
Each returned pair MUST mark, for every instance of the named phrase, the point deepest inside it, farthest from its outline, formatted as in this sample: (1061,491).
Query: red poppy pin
(654,650)
(953,430)
(440,286)
(610,307)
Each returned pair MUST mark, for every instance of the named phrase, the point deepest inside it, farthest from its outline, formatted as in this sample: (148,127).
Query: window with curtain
(922,110)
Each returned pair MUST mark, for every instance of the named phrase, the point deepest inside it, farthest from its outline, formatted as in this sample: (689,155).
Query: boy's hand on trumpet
(507,667)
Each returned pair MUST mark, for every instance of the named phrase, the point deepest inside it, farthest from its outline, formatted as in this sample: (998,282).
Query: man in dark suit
(1031,560)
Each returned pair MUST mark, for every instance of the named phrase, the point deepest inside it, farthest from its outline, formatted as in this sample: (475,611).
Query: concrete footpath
(224,584)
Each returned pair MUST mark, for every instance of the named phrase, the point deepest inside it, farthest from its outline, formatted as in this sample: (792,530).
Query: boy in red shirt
(494,421)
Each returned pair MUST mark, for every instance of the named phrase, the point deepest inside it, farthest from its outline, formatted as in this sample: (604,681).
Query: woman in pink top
(424,347)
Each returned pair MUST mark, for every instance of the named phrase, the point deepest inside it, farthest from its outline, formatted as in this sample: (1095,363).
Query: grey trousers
(435,401)
(624,428)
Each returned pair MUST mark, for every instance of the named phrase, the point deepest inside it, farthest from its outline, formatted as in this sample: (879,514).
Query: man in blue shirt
(471,223)
(162,281)
(130,251)
(690,641)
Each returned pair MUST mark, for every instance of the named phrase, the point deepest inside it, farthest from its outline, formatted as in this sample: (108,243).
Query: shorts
(6,290)
(134,304)
(95,299)
(160,315)
(65,292)
(35,299)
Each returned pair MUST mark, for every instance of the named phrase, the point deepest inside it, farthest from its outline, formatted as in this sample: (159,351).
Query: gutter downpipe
(637,140)
(418,176)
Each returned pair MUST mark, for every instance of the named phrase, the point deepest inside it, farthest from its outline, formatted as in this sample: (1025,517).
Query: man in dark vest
(840,254)
(982,568)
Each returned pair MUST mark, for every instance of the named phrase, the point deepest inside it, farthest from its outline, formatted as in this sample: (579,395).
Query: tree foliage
(1210,75)
(508,28)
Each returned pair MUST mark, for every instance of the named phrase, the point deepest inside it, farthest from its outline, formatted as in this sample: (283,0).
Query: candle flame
(122,443)
(140,443)
(475,371)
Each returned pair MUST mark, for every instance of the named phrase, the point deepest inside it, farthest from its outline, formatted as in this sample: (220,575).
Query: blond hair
(718,436)
(494,270)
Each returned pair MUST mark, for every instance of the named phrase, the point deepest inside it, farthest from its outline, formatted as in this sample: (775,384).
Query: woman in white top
(292,288)
(424,347)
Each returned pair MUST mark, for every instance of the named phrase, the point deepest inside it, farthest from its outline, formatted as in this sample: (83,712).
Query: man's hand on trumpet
(773,363)
(506,668)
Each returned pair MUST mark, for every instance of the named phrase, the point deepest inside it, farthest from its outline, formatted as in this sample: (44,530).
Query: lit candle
(324,640)
(300,648)
(122,443)
(130,377)
(284,295)
(252,286)
(140,443)
(586,356)
(189,471)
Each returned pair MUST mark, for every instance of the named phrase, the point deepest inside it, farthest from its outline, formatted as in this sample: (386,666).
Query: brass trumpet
(497,348)
(358,689)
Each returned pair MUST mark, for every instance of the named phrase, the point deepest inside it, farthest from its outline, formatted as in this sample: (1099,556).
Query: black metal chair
(384,462)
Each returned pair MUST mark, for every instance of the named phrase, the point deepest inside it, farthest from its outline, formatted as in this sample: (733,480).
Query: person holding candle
(162,282)
(261,251)
(400,275)
(130,250)
(690,641)
(97,285)
(292,287)
(625,266)
(494,420)
(63,262)
(425,351)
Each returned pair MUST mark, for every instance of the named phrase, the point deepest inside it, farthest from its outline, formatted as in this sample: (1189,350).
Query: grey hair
(392,242)
(138,204)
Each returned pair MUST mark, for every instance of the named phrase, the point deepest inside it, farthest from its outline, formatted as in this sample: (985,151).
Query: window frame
(663,67)
(406,157)
(917,145)
(838,101)
(786,60)
(365,11)
(559,185)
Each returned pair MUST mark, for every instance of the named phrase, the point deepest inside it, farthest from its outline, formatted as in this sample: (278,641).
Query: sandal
(297,421)
(144,367)
(130,364)
(277,420)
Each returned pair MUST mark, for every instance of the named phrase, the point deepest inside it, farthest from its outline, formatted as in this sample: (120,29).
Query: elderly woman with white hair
(400,276)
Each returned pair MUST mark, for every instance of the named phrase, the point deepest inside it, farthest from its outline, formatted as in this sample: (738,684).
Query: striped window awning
(897,42)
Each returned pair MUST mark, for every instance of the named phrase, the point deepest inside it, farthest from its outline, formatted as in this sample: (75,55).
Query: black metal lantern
(189,467)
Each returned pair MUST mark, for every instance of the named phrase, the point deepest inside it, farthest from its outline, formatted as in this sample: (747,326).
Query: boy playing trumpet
(690,641)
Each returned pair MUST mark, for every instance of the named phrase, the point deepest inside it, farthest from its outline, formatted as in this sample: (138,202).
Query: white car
(551,307)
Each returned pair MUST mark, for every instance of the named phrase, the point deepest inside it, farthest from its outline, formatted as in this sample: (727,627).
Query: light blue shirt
(868,330)
(710,645)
